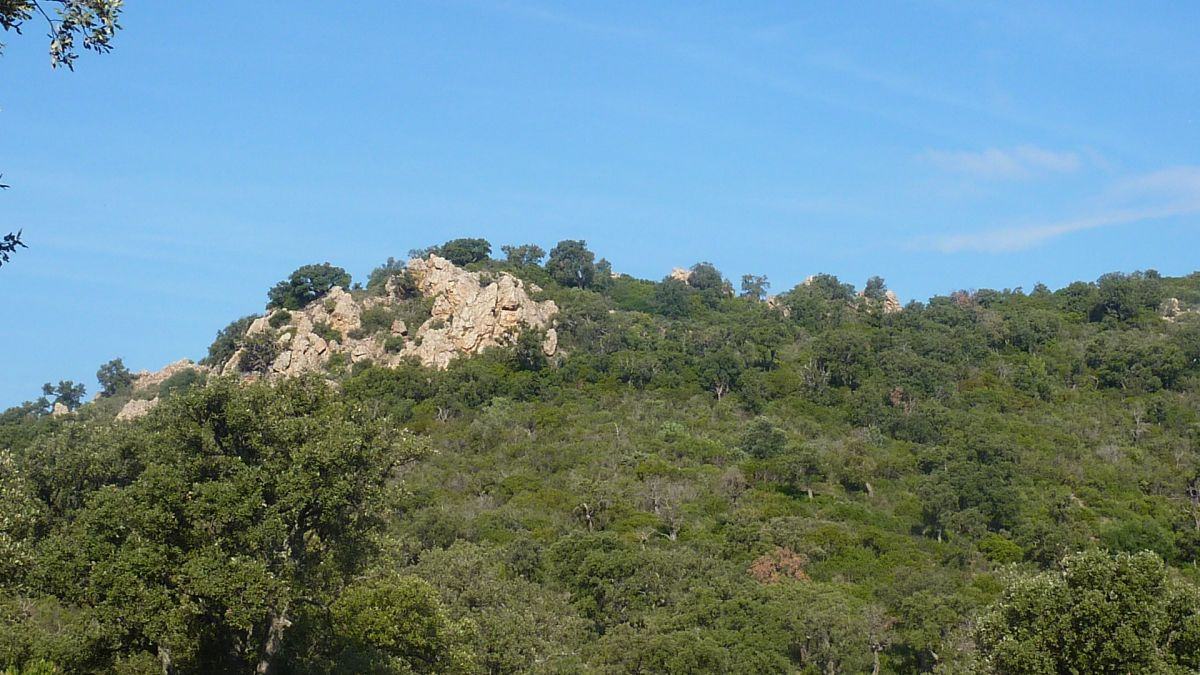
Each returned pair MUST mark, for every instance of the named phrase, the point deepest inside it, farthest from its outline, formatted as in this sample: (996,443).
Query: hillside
(469,464)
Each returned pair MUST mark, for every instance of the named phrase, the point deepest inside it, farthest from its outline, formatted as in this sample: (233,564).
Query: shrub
(258,353)
(181,382)
(326,332)
(394,344)
(377,319)
(280,319)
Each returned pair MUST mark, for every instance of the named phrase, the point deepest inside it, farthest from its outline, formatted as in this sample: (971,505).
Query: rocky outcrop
(680,274)
(145,387)
(59,409)
(138,407)
(470,316)
(471,311)
(1173,310)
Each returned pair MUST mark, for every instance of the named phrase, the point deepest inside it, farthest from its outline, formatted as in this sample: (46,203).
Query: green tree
(755,287)
(380,275)
(396,624)
(114,378)
(205,537)
(704,276)
(876,289)
(572,264)
(1100,613)
(306,284)
(526,255)
(465,251)
(65,392)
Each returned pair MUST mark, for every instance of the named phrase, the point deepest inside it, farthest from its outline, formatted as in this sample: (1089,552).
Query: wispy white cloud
(1168,193)
(1022,161)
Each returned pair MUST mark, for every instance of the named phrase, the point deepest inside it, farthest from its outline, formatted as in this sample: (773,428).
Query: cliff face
(471,312)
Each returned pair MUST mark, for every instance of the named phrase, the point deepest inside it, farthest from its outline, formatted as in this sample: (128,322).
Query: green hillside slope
(700,481)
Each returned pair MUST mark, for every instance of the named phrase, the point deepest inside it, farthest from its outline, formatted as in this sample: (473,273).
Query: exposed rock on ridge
(144,380)
(471,312)
(469,316)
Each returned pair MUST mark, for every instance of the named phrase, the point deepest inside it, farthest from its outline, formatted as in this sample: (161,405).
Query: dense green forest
(702,480)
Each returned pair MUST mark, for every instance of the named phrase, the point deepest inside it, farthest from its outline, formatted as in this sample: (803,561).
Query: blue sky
(164,187)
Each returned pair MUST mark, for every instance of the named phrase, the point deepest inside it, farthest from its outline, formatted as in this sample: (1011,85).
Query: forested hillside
(701,479)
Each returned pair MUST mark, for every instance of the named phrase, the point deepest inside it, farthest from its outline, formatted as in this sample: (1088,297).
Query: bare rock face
(471,312)
(59,410)
(680,274)
(138,407)
(469,316)
(891,303)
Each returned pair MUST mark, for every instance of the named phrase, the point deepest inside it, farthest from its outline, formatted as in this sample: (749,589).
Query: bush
(327,333)
(377,319)
(394,344)
(181,382)
(258,353)
(280,319)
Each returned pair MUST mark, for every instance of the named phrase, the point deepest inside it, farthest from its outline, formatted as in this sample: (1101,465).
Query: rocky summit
(471,312)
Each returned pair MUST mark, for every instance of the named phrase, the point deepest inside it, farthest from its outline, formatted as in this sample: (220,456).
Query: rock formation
(680,274)
(469,316)
(137,407)
(1173,310)
(471,312)
(145,380)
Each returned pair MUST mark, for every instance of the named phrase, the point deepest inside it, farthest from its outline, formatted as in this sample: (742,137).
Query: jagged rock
(469,317)
(680,274)
(891,303)
(138,407)
(59,410)
(470,313)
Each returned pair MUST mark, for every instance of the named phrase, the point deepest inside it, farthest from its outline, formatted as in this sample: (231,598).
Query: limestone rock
(471,311)
(891,303)
(136,408)
(469,316)
(680,274)
(59,410)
